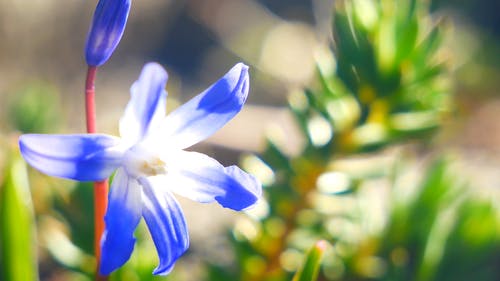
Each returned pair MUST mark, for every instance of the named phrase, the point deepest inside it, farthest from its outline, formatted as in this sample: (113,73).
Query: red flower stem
(100,187)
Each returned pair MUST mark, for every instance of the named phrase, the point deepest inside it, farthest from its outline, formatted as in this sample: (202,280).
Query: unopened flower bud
(106,31)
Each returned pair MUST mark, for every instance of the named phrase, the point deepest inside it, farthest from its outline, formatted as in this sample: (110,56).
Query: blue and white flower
(151,163)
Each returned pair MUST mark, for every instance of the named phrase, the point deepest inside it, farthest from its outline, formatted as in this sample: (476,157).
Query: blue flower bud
(106,31)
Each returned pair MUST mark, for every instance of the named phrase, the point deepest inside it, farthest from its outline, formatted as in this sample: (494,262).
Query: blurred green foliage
(443,232)
(385,82)
(34,109)
(17,224)
(388,60)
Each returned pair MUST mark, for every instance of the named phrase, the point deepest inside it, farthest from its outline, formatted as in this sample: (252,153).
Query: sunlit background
(42,72)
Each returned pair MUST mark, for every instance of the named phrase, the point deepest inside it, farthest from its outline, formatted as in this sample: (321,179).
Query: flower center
(139,161)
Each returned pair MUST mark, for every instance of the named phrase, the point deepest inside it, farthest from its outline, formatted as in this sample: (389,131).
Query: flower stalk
(90,99)
(100,187)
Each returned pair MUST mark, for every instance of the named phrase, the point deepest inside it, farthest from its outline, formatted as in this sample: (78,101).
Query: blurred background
(42,73)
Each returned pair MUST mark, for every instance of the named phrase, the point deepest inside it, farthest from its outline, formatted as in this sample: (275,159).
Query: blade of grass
(310,268)
(17,235)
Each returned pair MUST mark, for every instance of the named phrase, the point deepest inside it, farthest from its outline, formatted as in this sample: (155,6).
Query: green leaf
(17,235)
(76,212)
(310,268)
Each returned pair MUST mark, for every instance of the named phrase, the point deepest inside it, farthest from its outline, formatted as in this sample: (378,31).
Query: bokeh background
(41,90)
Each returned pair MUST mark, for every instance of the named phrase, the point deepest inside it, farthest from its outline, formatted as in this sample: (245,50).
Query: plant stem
(100,187)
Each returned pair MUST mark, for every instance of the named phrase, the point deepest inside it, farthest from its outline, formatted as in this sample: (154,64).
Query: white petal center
(140,161)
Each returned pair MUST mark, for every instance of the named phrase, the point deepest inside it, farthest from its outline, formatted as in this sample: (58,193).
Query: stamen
(139,161)
(154,167)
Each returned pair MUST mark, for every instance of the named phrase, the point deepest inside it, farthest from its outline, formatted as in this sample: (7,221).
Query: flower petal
(122,217)
(147,103)
(106,31)
(165,221)
(79,157)
(202,179)
(209,111)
